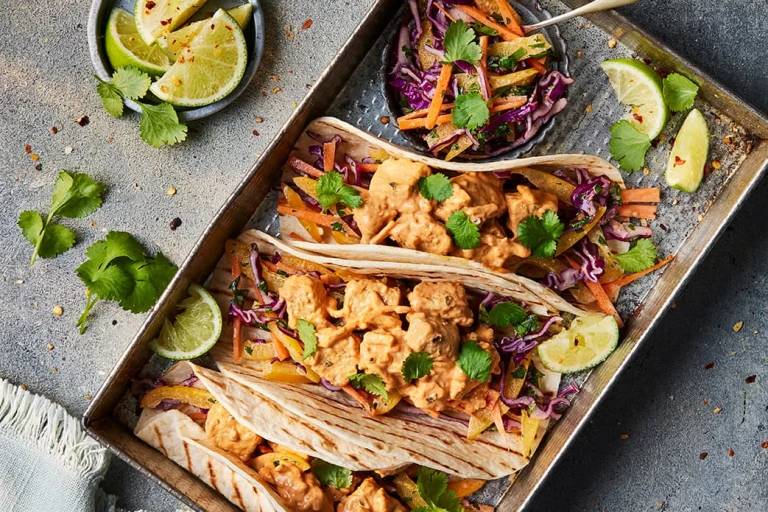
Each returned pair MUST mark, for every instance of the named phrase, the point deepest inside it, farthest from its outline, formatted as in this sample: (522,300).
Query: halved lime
(640,87)
(587,343)
(173,43)
(125,47)
(685,167)
(209,68)
(194,331)
(157,17)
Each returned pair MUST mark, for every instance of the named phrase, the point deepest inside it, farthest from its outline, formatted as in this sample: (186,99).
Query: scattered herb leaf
(331,190)
(679,92)
(307,336)
(474,361)
(466,234)
(470,111)
(460,44)
(417,365)
(628,146)
(331,474)
(370,382)
(540,235)
(639,257)
(436,186)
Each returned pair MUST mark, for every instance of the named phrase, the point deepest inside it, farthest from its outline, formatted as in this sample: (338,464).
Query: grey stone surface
(659,402)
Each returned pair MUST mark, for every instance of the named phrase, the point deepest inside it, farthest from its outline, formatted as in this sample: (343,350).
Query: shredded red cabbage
(592,267)
(626,232)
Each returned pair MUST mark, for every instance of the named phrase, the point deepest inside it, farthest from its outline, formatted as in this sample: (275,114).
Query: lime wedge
(685,168)
(587,343)
(173,43)
(157,17)
(194,331)
(125,47)
(640,87)
(209,68)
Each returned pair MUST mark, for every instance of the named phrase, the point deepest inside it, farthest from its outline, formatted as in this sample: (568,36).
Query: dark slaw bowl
(531,12)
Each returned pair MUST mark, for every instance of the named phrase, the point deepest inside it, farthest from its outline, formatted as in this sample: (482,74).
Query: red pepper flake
(731,453)
(175,224)
(82,120)
(647,61)
(263,93)
(54,130)
(638,118)
(150,5)
(678,161)
(764,445)
(306,25)
(750,379)
(256,132)
(28,149)
(166,22)
(707,170)
(663,74)
(709,366)
(672,141)
(706,402)
(703,455)
(213,26)
(228,27)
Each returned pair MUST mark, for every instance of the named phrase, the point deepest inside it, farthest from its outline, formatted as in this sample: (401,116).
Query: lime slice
(209,68)
(639,86)
(173,43)
(685,168)
(194,331)
(157,17)
(587,343)
(125,47)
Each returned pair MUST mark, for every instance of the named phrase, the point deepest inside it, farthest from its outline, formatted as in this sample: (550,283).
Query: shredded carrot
(637,211)
(237,343)
(501,107)
(368,167)
(466,486)
(437,98)
(538,66)
(280,351)
(415,124)
(197,416)
(329,156)
(509,18)
(357,396)
(504,32)
(484,64)
(624,281)
(441,8)
(603,302)
(422,112)
(317,218)
(301,165)
(641,195)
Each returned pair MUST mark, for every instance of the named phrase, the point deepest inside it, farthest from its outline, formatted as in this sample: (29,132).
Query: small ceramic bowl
(531,12)
(254,37)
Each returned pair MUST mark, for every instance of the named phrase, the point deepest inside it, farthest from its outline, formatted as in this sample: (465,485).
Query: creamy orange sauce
(223,430)
(300,490)
(369,497)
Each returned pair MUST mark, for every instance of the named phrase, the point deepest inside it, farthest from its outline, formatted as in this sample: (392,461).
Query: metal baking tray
(690,224)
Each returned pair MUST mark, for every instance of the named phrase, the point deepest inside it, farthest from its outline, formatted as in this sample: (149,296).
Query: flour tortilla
(359,145)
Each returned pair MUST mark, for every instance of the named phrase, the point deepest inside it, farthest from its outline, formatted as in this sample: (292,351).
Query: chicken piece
(526,202)
(437,336)
(223,430)
(478,194)
(496,249)
(382,353)
(363,298)
(421,232)
(394,189)
(337,355)
(301,491)
(444,383)
(305,298)
(370,497)
(442,300)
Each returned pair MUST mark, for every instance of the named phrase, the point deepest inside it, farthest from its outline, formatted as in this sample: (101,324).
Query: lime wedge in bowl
(194,331)
(157,17)
(640,87)
(209,68)
(588,342)
(125,47)
(685,167)
(174,42)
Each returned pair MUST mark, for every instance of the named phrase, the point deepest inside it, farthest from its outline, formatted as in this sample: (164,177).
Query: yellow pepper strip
(570,238)
(192,396)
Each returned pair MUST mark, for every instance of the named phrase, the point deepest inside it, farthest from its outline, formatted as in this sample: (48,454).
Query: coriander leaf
(466,234)
(56,240)
(416,365)
(331,474)
(436,186)
(160,125)
(150,278)
(370,382)
(540,235)
(432,487)
(110,98)
(639,257)
(679,92)
(110,283)
(529,325)
(505,314)
(75,196)
(470,111)
(474,361)
(31,225)
(331,190)
(132,83)
(121,244)
(628,146)
(307,336)
(238,295)
(460,44)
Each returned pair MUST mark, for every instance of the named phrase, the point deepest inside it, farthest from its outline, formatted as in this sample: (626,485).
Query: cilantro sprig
(465,233)
(628,146)
(540,235)
(117,269)
(159,124)
(639,257)
(416,366)
(432,487)
(474,361)
(506,314)
(460,44)
(331,474)
(371,383)
(331,190)
(307,336)
(74,196)
(679,92)
(470,111)
(437,187)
